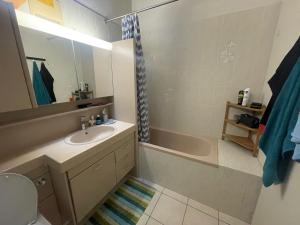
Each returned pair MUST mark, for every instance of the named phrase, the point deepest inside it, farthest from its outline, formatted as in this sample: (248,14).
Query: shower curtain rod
(92,10)
(141,10)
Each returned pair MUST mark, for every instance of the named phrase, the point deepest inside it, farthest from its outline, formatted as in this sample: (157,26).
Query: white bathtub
(199,149)
(189,166)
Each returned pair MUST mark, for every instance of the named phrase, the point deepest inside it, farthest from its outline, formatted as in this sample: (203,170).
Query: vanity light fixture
(37,23)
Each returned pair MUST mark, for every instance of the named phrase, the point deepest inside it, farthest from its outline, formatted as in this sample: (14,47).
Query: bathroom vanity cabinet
(73,180)
(92,180)
(83,187)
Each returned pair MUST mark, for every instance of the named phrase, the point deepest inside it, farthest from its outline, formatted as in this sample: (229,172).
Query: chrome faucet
(86,122)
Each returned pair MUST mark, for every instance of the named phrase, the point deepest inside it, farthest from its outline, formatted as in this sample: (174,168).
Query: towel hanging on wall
(48,81)
(41,92)
(296,140)
(277,81)
(276,141)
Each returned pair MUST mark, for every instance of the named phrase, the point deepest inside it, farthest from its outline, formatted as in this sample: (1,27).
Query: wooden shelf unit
(245,142)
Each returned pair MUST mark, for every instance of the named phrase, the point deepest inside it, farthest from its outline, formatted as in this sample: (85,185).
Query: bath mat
(125,206)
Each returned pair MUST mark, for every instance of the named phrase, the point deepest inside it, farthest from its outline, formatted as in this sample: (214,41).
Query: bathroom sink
(90,135)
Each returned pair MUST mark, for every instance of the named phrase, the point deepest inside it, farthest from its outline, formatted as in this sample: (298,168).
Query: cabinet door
(125,159)
(48,208)
(90,186)
(14,93)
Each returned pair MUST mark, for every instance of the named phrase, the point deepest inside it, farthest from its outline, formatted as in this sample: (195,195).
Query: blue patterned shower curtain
(131,29)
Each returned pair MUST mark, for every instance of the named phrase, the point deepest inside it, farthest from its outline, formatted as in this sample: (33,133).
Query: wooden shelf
(246,108)
(77,111)
(245,142)
(239,125)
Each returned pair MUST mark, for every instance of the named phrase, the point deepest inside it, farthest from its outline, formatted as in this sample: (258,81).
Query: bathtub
(199,149)
(199,169)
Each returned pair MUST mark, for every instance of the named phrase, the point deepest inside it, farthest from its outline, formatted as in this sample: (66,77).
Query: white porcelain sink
(90,135)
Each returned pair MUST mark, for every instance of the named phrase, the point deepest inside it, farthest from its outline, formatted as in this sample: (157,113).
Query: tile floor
(170,208)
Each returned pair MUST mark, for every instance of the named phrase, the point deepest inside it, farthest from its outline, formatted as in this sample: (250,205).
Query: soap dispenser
(105,115)
(98,120)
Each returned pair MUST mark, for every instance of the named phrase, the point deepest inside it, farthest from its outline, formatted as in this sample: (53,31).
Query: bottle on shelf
(98,120)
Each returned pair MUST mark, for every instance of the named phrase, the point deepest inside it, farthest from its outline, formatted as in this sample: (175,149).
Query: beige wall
(124,80)
(278,205)
(81,19)
(85,21)
(189,80)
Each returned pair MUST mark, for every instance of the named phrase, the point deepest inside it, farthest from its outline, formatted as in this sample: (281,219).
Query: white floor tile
(204,208)
(143,220)
(175,195)
(168,211)
(152,204)
(152,221)
(231,220)
(196,217)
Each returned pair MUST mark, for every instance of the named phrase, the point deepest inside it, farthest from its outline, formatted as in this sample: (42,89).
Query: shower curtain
(131,29)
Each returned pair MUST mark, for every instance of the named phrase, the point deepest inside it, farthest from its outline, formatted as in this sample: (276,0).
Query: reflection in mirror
(93,66)
(53,73)
(62,70)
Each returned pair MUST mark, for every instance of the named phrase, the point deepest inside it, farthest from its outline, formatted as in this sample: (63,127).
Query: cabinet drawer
(124,159)
(90,186)
(102,153)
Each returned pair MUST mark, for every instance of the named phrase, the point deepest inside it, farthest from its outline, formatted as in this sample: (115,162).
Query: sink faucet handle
(92,121)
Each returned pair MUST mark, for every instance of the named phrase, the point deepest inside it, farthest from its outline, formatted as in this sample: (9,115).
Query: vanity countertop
(60,155)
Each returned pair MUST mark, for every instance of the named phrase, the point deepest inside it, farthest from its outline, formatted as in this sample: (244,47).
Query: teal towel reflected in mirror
(40,90)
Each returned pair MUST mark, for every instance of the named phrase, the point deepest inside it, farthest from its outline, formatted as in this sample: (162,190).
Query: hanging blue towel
(276,141)
(296,155)
(296,140)
(296,132)
(40,90)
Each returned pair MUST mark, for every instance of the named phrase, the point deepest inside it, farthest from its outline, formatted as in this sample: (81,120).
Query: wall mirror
(51,58)
(64,70)
(94,71)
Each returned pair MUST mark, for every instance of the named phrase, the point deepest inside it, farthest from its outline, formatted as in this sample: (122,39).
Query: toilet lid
(18,196)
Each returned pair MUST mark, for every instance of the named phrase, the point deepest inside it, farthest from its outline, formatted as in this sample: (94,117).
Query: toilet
(19,201)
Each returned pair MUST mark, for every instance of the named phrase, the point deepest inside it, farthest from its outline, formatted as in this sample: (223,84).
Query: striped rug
(125,206)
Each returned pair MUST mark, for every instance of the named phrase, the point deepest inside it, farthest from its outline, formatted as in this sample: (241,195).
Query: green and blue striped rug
(125,206)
